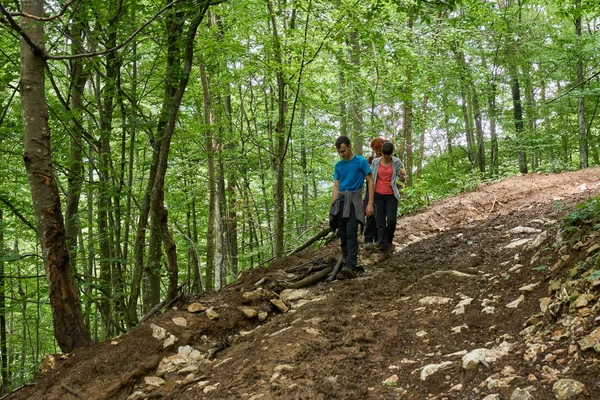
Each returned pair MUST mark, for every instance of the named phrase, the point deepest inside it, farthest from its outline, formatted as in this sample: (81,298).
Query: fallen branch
(336,269)
(310,280)
(321,234)
(16,390)
(71,391)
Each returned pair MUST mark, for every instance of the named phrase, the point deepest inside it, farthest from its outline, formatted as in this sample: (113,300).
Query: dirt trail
(453,314)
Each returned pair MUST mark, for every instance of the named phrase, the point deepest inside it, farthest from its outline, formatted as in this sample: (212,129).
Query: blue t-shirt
(351,174)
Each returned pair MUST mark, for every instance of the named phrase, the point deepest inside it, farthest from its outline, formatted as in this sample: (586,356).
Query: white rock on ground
(485,356)
(434,300)
(431,369)
(591,340)
(565,389)
(516,303)
(522,394)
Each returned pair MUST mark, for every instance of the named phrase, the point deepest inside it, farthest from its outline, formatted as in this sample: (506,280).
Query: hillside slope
(474,304)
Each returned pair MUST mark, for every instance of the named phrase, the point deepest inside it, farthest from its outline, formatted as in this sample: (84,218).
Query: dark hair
(387,148)
(342,140)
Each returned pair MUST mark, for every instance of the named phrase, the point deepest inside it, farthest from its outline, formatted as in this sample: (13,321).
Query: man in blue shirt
(349,175)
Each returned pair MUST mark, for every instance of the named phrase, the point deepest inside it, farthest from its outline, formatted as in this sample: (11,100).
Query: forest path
(474,304)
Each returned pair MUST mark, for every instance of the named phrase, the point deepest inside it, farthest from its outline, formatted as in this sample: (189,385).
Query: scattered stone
(489,310)
(565,389)
(312,331)
(431,369)
(249,313)
(289,295)
(458,329)
(257,295)
(212,314)
(532,353)
(516,243)
(591,340)
(460,307)
(550,374)
(391,381)
(521,394)
(179,321)
(496,383)
(593,249)
(545,303)
(538,241)
(529,288)
(516,303)
(515,268)
(456,388)
(137,395)
(262,315)
(210,388)
(158,332)
(280,305)
(457,354)
(421,334)
(524,229)
(196,308)
(485,356)
(283,367)
(434,300)
(154,381)
(492,397)
(583,300)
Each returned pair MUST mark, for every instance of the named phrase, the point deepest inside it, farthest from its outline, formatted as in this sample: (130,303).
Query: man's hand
(370,210)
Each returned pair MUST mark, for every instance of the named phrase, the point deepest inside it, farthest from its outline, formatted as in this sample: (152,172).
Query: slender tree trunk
(3,346)
(479,132)
(491,96)
(356,103)
(69,329)
(212,184)
(518,118)
(583,140)
(75,171)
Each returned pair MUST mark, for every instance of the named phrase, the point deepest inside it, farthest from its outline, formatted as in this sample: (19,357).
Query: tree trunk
(212,184)
(479,132)
(518,118)
(356,103)
(69,329)
(3,347)
(75,170)
(583,141)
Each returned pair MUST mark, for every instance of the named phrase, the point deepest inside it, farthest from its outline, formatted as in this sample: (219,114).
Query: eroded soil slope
(483,298)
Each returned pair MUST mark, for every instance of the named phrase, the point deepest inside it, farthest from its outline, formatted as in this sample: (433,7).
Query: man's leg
(352,240)
(342,224)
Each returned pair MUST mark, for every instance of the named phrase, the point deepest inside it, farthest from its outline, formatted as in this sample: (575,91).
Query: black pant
(370,229)
(386,208)
(348,232)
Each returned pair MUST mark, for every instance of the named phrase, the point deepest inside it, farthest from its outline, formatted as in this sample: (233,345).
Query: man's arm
(334,195)
(371,186)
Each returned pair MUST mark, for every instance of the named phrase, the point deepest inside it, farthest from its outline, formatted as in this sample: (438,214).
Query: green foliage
(586,214)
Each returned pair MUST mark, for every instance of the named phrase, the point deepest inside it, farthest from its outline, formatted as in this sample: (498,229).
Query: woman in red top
(386,171)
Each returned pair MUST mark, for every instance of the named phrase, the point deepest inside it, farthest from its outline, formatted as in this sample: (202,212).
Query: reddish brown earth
(356,334)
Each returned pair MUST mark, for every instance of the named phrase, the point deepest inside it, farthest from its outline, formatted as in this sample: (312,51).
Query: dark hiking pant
(370,230)
(386,208)
(348,232)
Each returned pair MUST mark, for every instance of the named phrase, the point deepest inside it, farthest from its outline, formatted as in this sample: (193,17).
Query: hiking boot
(384,254)
(347,273)
(360,269)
